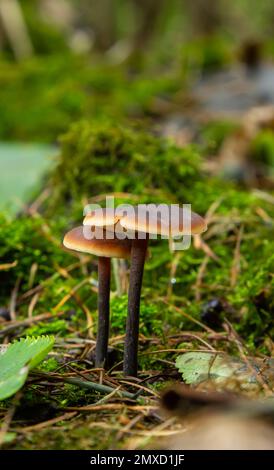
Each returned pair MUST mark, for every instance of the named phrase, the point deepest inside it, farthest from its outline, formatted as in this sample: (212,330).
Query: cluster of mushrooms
(139,225)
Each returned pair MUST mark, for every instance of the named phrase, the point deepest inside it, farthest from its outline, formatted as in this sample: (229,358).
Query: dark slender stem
(103,311)
(138,256)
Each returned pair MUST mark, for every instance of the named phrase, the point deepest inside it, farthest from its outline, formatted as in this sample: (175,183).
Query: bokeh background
(175,65)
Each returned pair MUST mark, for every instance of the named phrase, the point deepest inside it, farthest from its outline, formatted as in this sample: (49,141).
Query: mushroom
(105,248)
(143,222)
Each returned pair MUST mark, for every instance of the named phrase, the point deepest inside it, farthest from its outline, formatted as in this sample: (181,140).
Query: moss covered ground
(188,301)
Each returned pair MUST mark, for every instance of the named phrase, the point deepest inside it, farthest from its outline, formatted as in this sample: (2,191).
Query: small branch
(28,321)
(85,384)
(97,387)
(46,424)
(236,265)
(15,28)
(8,418)
(13,299)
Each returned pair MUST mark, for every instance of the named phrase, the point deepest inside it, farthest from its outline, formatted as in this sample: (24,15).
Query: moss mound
(102,157)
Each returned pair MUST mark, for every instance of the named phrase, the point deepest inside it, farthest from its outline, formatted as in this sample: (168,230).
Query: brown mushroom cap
(105,247)
(148,220)
(101,217)
(166,223)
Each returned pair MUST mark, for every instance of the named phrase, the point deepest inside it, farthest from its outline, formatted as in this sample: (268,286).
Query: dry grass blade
(129,426)
(46,424)
(114,407)
(29,321)
(32,304)
(69,295)
(13,299)
(235,269)
(200,244)
(7,266)
(250,366)
(200,276)
(64,272)
(189,317)
(8,417)
(141,387)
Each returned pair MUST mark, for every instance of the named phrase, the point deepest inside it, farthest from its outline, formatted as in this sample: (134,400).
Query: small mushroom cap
(102,217)
(169,221)
(106,247)
(164,221)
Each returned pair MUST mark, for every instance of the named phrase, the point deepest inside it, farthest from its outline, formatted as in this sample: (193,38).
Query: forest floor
(214,301)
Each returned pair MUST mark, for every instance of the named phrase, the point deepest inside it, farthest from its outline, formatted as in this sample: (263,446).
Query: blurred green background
(62,60)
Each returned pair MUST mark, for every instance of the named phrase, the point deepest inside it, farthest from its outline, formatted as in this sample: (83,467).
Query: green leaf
(197,367)
(18,359)
(10,385)
(32,159)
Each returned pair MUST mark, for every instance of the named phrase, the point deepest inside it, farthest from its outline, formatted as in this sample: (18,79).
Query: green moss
(152,315)
(207,54)
(49,365)
(252,294)
(86,432)
(55,327)
(59,82)
(46,94)
(262,148)
(24,242)
(214,133)
(102,157)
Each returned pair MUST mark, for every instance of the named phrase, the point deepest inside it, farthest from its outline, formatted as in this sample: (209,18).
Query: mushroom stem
(138,256)
(103,311)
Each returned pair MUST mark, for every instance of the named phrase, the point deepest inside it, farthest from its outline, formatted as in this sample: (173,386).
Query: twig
(90,385)
(54,276)
(250,366)
(200,275)
(69,295)
(97,387)
(189,317)
(28,321)
(79,301)
(141,387)
(112,406)
(200,244)
(15,28)
(32,274)
(32,304)
(5,266)
(45,424)
(264,195)
(8,418)
(159,351)
(13,299)
(43,196)
(129,426)
(235,269)
(109,396)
